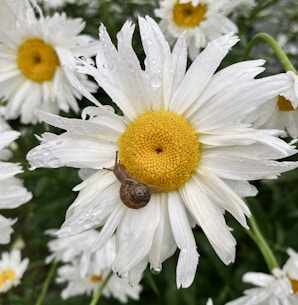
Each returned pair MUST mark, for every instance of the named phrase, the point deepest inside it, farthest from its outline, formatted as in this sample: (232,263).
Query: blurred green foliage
(275,207)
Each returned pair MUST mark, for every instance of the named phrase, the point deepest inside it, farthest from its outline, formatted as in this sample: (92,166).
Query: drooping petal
(210,218)
(109,227)
(132,231)
(163,244)
(188,257)
(223,196)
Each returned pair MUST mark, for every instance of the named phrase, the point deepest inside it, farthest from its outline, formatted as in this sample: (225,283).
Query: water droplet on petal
(54,163)
(88,226)
(156,270)
(105,65)
(156,81)
(83,58)
(45,152)
(122,275)
(31,167)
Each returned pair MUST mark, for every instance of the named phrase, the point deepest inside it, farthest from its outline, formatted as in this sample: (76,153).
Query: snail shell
(134,194)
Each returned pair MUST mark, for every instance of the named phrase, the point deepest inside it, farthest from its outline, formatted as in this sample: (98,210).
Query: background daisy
(12,269)
(201,20)
(33,53)
(279,288)
(85,272)
(279,112)
(180,134)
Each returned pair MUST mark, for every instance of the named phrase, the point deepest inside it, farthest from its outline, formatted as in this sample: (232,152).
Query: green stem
(279,52)
(260,241)
(100,290)
(46,284)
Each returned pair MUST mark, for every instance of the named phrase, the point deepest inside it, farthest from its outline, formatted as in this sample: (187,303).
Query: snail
(133,193)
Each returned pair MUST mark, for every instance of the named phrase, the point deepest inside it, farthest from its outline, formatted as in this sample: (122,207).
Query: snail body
(133,193)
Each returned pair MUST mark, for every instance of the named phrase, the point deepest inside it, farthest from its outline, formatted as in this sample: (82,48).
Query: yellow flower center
(160,148)
(37,60)
(95,278)
(294,284)
(284,104)
(188,16)
(8,275)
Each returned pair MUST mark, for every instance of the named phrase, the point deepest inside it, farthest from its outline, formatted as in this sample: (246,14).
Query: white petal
(92,206)
(8,136)
(200,72)
(13,193)
(157,52)
(210,218)
(134,236)
(8,169)
(83,127)
(258,278)
(237,102)
(109,227)
(188,257)
(73,150)
(163,245)
(242,165)
(223,196)
(132,76)
(136,273)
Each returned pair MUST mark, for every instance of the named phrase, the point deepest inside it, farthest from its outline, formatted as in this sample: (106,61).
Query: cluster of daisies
(182,153)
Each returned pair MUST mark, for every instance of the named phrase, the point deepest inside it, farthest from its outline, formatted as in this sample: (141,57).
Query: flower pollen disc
(37,60)
(160,148)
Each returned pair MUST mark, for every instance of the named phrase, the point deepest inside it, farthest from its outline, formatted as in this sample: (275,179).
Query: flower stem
(279,52)
(46,284)
(100,290)
(260,241)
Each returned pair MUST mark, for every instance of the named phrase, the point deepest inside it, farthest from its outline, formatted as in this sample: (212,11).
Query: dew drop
(123,275)
(54,162)
(31,167)
(83,58)
(88,225)
(105,65)
(97,221)
(156,81)
(156,270)
(45,152)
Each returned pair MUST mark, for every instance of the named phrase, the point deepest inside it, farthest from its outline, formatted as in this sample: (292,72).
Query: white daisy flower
(88,280)
(179,136)
(12,269)
(280,288)
(281,111)
(12,192)
(33,53)
(201,20)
